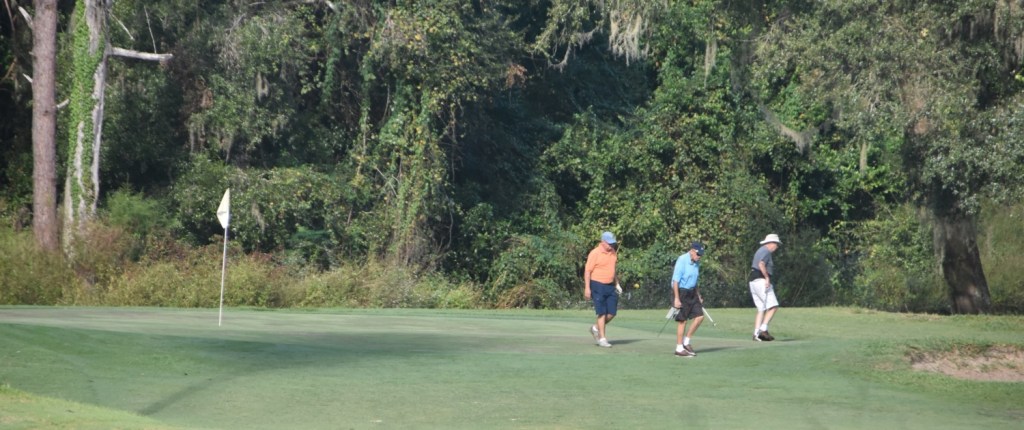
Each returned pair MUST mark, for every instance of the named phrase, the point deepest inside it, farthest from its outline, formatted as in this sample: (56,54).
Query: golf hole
(996,363)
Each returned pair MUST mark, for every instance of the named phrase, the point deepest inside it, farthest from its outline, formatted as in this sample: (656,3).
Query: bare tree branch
(150,26)
(28,18)
(148,56)
(123,27)
(10,73)
(10,17)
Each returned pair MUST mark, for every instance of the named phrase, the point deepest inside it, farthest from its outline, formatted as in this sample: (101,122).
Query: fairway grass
(835,368)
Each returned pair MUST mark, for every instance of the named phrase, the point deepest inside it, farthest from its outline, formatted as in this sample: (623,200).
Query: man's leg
(602,322)
(771,304)
(681,349)
(694,325)
(760,297)
(764,323)
(600,309)
(611,305)
(768,315)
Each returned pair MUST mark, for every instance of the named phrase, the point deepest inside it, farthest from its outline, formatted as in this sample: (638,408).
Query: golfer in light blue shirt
(687,298)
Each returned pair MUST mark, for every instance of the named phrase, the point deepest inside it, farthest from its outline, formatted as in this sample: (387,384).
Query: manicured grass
(156,368)
(24,411)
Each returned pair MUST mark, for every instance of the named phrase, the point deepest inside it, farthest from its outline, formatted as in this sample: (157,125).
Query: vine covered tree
(89,55)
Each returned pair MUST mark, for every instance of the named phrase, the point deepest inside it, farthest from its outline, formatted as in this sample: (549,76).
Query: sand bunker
(998,363)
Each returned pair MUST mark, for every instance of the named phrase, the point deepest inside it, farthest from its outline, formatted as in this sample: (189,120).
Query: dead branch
(148,56)
(28,18)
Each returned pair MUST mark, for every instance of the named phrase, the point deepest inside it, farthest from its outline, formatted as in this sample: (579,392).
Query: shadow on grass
(714,349)
(184,393)
(246,358)
(626,341)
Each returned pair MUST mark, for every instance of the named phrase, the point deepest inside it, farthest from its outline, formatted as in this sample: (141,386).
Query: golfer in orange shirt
(600,283)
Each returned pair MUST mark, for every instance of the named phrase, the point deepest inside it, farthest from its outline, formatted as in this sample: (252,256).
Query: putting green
(829,368)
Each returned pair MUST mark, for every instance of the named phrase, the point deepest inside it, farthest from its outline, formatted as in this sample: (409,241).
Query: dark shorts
(606,301)
(691,305)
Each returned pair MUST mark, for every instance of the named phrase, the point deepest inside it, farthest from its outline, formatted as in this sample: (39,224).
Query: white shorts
(763,300)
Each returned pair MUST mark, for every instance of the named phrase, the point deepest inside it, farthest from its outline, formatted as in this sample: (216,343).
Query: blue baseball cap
(608,237)
(696,246)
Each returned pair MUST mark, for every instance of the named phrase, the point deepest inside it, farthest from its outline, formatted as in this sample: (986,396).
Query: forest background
(455,153)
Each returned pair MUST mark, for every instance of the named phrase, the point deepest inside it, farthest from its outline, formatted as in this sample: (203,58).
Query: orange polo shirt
(601,265)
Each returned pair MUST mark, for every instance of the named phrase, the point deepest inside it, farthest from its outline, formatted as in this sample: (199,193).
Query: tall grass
(120,260)
(31,276)
(106,268)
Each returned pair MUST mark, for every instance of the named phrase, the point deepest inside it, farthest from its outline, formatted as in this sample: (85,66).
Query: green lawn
(386,368)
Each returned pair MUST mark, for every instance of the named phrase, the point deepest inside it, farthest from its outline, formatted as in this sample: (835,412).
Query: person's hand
(701,299)
(586,293)
(677,304)
(618,289)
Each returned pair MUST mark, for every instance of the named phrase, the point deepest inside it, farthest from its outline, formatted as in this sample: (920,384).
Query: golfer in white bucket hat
(761,288)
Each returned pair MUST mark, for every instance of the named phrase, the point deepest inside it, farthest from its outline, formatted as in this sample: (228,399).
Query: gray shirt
(763,254)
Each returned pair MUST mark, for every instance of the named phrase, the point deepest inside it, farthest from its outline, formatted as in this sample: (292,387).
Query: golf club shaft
(709,316)
(667,319)
(663,327)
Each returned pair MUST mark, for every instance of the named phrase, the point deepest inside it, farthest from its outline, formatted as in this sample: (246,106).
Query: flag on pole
(224,210)
(224,216)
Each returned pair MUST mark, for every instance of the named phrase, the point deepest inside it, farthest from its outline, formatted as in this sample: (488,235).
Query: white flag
(224,210)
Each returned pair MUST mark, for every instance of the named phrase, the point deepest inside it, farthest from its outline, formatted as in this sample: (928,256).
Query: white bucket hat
(771,238)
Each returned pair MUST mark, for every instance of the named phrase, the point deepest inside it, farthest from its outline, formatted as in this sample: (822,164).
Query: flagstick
(223,270)
(224,216)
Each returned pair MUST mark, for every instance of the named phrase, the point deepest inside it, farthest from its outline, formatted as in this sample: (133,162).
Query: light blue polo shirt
(686,272)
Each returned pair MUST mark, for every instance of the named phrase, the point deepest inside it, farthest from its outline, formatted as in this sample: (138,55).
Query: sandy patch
(998,363)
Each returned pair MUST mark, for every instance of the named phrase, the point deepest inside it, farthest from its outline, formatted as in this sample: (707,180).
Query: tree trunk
(44,125)
(89,59)
(957,249)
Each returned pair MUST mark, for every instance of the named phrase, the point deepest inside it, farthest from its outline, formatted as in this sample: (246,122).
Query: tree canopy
(492,141)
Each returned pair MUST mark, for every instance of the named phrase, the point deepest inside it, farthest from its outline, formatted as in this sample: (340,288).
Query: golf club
(713,323)
(668,317)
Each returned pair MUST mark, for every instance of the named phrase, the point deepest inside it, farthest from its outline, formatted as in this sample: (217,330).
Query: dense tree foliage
(490,142)
(918,87)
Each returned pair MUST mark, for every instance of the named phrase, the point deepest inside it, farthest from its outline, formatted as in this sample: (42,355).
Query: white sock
(757,331)
(679,348)
(764,327)
(686,341)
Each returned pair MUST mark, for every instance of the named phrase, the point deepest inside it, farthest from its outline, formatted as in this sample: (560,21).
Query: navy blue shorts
(606,301)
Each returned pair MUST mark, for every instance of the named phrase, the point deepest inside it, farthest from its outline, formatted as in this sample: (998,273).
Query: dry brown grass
(996,363)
